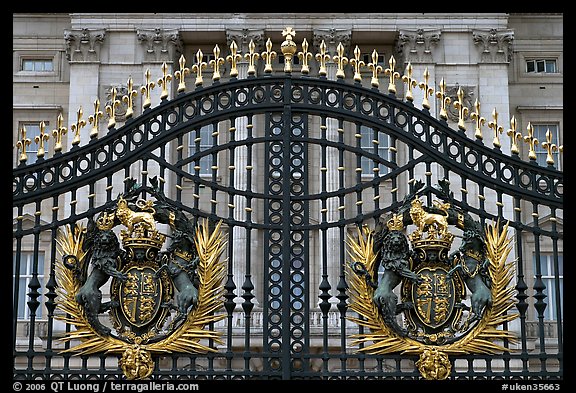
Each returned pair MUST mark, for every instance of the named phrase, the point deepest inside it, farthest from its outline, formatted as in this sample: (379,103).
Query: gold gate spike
(410,82)
(77,126)
(322,58)
(111,109)
(497,129)
(480,121)
(233,58)
(163,82)
(40,139)
(129,98)
(393,75)
(288,48)
(550,148)
(513,134)
(375,69)
(268,55)
(444,99)
(146,90)
(181,74)
(305,56)
(216,63)
(58,132)
(531,141)
(428,91)
(340,60)
(462,110)
(94,119)
(22,143)
(198,67)
(251,56)
(357,63)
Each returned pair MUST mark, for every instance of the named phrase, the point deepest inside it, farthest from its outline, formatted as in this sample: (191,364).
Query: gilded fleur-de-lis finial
(198,67)
(129,98)
(356,63)
(233,58)
(532,142)
(322,58)
(444,99)
(58,132)
(407,78)
(428,90)
(550,148)
(514,135)
(146,89)
(76,127)
(40,139)
(163,82)
(181,74)
(251,56)
(480,121)
(94,119)
(497,129)
(304,57)
(111,109)
(375,68)
(288,48)
(393,75)
(268,55)
(462,110)
(340,60)
(22,144)
(216,63)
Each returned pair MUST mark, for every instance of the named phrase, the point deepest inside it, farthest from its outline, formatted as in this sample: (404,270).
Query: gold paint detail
(129,98)
(428,90)
(181,74)
(198,67)
(514,135)
(410,82)
(76,127)
(146,89)
(375,68)
(532,141)
(550,148)
(233,59)
(268,55)
(288,48)
(111,109)
(392,74)
(94,119)
(22,144)
(462,110)
(251,56)
(480,121)
(305,56)
(58,132)
(216,63)
(496,128)
(356,63)
(163,82)
(340,61)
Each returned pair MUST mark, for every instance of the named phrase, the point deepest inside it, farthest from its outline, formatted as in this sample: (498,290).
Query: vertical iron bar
(540,288)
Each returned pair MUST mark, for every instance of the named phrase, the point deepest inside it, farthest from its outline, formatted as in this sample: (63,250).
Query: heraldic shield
(161,295)
(431,299)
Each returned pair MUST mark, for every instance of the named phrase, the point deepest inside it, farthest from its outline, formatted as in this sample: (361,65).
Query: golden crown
(105,221)
(140,238)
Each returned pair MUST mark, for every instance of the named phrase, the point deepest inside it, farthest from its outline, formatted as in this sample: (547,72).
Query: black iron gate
(291,164)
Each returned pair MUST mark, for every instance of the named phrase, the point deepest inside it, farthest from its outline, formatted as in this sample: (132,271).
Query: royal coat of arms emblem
(161,295)
(451,301)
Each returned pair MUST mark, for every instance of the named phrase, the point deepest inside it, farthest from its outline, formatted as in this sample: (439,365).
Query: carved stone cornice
(83,45)
(416,46)
(496,45)
(243,37)
(161,45)
(331,37)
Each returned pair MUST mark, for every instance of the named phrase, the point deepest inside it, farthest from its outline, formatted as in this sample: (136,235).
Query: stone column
(331,38)
(83,53)
(242,39)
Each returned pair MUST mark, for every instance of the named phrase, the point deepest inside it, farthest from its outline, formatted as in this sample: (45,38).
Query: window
(22,279)
(32,131)
(38,65)
(547,66)
(199,143)
(540,134)
(381,148)
(548,272)
(367,58)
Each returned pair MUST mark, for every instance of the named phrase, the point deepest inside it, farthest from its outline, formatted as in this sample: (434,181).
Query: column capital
(332,37)
(415,46)
(161,45)
(243,38)
(495,45)
(83,45)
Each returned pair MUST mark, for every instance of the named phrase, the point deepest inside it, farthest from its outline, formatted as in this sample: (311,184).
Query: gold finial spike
(513,134)
(288,48)
(444,100)
(531,141)
(94,119)
(78,126)
(146,89)
(322,58)
(40,139)
(163,82)
(497,129)
(340,60)
(375,68)
(216,63)
(410,82)
(550,148)
(393,75)
(181,74)
(22,144)
(305,56)
(357,63)
(462,110)
(129,98)
(60,130)
(251,56)
(233,58)
(480,121)
(428,90)
(198,67)
(111,109)
(268,55)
